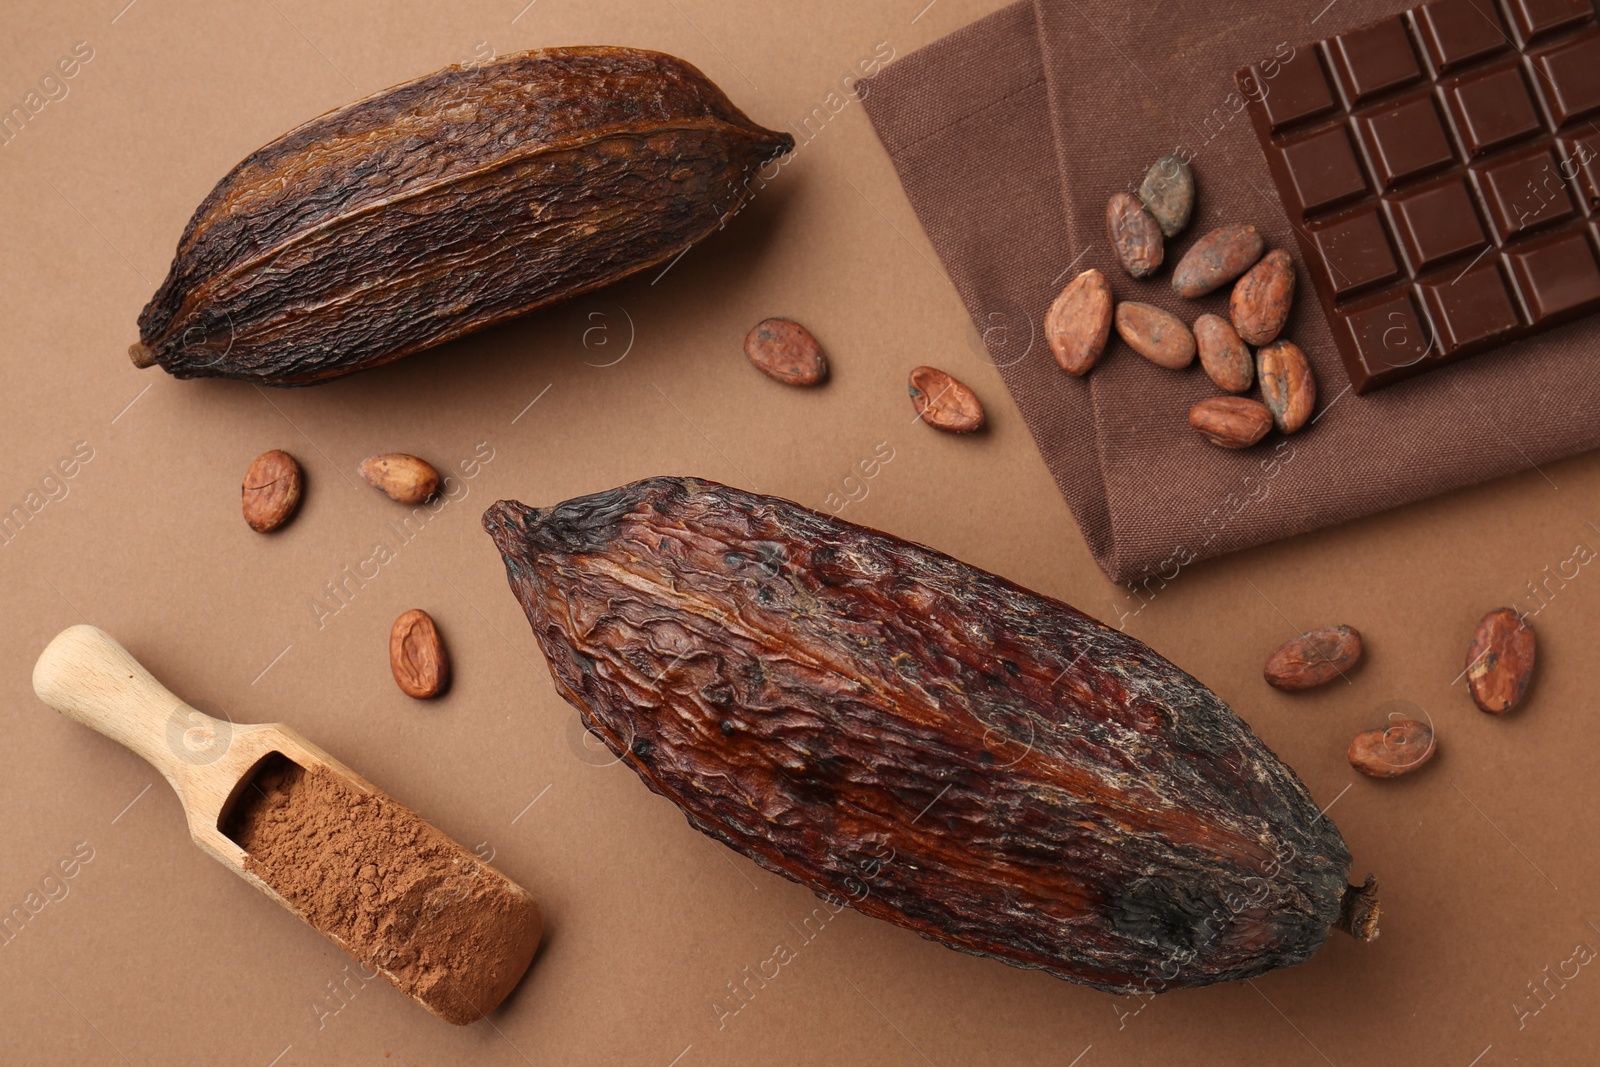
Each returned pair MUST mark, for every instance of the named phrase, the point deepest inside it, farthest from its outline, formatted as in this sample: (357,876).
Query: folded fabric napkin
(1009,135)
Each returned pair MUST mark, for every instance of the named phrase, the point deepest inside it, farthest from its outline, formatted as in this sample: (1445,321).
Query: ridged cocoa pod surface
(448,204)
(926,741)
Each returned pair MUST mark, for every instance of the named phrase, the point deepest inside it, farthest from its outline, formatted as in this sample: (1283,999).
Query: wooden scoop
(458,934)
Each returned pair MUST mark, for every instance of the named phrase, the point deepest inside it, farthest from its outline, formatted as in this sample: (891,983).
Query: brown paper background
(157,955)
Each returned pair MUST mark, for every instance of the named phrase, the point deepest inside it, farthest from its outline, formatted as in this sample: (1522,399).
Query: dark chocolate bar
(1441,169)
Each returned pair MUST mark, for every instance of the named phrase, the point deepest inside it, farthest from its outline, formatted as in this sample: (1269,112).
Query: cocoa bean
(1393,750)
(1216,259)
(945,403)
(1161,338)
(786,351)
(416,655)
(1231,421)
(1287,385)
(1167,192)
(1135,235)
(1500,661)
(401,477)
(1313,658)
(1261,299)
(1079,322)
(1223,355)
(271,491)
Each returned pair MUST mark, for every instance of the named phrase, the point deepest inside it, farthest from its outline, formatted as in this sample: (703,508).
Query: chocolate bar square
(1557,275)
(1323,169)
(1356,251)
(1298,91)
(1536,18)
(1375,59)
(1525,193)
(1437,223)
(1491,108)
(1405,139)
(1569,78)
(1457,32)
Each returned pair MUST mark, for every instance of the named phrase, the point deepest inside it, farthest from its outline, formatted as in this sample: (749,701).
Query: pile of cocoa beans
(1079,322)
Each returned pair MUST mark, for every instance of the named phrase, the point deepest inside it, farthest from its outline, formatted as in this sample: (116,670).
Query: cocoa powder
(387,887)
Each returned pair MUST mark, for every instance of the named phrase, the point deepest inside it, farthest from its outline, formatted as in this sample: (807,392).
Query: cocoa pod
(785,351)
(1231,421)
(1135,235)
(1500,661)
(1217,259)
(1288,387)
(271,491)
(1393,750)
(1158,336)
(1224,356)
(1313,658)
(1079,322)
(416,655)
(1261,299)
(1167,192)
(925,741)
(943,402)
(448,204)
(401,477)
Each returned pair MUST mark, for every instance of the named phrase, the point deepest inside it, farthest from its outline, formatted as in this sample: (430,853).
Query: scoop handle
(84,674)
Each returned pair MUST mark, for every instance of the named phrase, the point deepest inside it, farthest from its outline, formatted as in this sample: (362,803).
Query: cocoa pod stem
(1359,911)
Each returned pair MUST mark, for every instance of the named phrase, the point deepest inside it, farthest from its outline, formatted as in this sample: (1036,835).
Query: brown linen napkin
(1010,134)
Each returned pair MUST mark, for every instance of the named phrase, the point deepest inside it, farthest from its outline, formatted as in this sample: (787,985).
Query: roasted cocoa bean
(271,492)
(448,204)
(1027,783)
(1217,259)
(416,655)
(1313,658)
(1261,299)
(1161,338)
(1393,750)
(1500,661)
(401,477)
(1167,192)
(786,351)
(1135,235)
(1287,385)
(1223,355)
(1079,322)
(944,402)
(1231,421)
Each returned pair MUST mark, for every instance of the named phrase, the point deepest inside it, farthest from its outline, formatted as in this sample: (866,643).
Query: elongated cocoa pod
(448,204)
(927,741)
